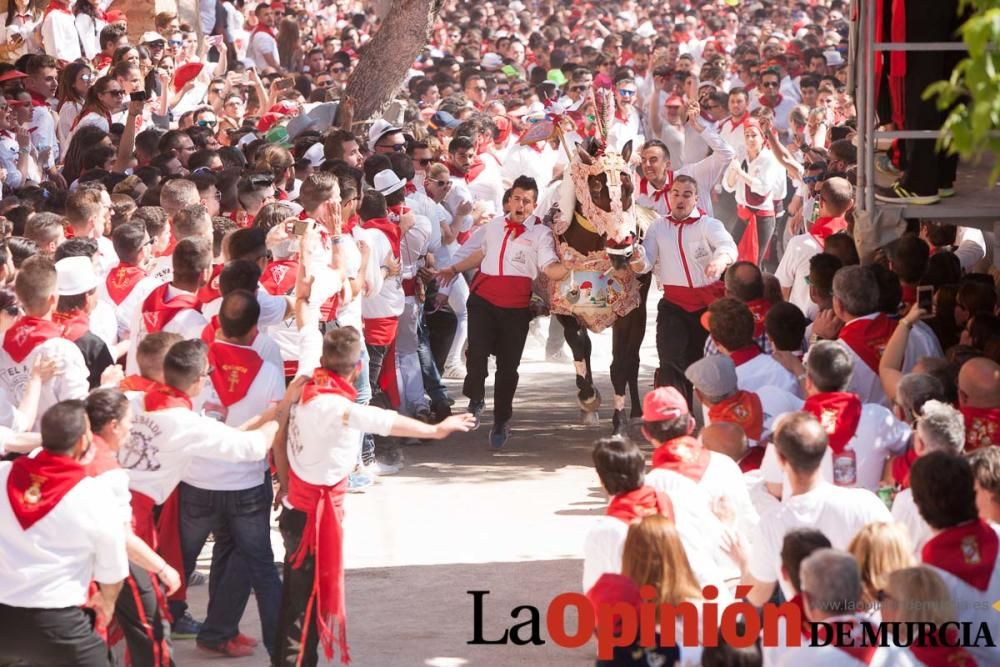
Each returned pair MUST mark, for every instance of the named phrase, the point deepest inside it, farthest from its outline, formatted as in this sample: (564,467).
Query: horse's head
(604,188)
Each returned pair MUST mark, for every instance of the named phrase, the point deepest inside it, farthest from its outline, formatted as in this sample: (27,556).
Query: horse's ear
(627,151)
(584,156)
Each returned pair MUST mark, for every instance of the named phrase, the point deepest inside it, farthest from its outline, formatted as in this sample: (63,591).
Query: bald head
(979,383)
(725,438)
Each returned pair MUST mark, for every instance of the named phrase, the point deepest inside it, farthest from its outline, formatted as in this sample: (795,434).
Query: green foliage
(972,94)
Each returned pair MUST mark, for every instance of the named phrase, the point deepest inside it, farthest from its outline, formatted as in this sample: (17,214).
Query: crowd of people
(219,292)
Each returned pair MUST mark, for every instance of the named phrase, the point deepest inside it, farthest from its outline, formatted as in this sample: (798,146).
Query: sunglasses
(86,77)
(773,84)
(176,42)
(579,89)
(337,70)
(396,148)
(424,162)
(441,183)
(625,92)
(117,93)
(207,123)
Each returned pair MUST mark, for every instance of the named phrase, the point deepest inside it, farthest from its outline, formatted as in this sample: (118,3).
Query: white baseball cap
(75,275)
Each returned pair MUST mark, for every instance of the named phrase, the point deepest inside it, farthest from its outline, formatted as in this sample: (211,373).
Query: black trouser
(765,230)
(680,341)
(51,637)
(138,613)
(500,332)
(297,585)
(441,325)
(926,170)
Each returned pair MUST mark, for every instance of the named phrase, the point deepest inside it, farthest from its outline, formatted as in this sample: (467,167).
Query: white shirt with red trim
(839,513)
(125,310)
(763,371)
(793,271)
(51,564)
(188,323)
(768,179)
(624,131)
(163,443)
(60,38)
(681,253)
(44,121)
(781,111)
(386,298)
(709,170)
(646,195)
(266,390)
(732,133)
(72,383)
(262,44)
(487,188)
(272,307)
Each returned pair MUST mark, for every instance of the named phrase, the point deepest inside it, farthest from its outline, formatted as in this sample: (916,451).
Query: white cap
(75,275)
(492,61)
(314,154)
(149,37)
(833,58)
(379,129)
(387,182)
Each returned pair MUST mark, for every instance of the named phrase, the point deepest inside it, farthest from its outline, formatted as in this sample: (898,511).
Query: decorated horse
(598,226)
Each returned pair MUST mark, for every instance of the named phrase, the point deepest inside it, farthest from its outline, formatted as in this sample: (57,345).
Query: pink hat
(663,404)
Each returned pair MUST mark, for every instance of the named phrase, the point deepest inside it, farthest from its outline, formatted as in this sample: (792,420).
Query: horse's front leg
(579,344)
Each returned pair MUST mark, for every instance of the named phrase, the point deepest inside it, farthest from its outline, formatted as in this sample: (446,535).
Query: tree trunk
(384,61)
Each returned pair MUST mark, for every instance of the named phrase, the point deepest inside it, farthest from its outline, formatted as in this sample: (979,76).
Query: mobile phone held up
(925,299)
(138,96)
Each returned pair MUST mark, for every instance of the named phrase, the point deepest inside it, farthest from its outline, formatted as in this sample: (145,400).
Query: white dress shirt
(681,253)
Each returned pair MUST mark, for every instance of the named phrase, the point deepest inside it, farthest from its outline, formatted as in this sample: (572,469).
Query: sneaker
(499,435)
(897,194)
(380,469)
(884,164)
(230,648)
(944,193)
(246,640)
(197,579)
(357,482)
(454,372)
(185,627)
(476,410)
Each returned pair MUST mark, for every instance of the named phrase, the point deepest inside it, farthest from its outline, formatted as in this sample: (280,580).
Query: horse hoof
(591,403)
(619,425)
(589,418)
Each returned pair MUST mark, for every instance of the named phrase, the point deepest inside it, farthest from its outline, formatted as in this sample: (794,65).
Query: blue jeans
(241,558)
(435,389)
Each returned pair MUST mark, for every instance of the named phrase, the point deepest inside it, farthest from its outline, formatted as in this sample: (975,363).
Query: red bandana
(735,123)
(982,427)
(513,228)
(806,626)
(260,27)
(101,61)
(211,291)
(857,649)
(36,485)
(410,188)
(824,227)
(391,231)
(656,194)
(74,324)
(137,383)
(772,106)
(868,337)
(121,280)
(326,382)
(475,168)
(26,334)
(56,6)
(968,551)
(233,370)
(163,397)
(208,333)
(690,220)
(743,409)
(839,413)
(684,455)
(759,308)
(157,313)
(744,354)
(279,277)
(945,651)
(637,503)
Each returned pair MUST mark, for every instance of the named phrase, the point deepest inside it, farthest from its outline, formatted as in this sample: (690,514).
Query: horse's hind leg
(579,344)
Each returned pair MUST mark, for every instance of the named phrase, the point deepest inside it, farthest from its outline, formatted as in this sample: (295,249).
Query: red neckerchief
(37,99)
(351,223)
(121,280)
(968,551)
(901,467)
(982,427)
(208,333)
(26,334)
(942,651)
(839,413)
(260,27)
(693,217)
(806,626)
(211,292)
(777,100)
(101,60)
(824,227)
(157,313)
(744,409)
(909,294)
(472,173)
(171,245)
(735,123)
(323,536)
(55,6)
(857,649)
(278,278)
(744,354)
(515,229)
(868,337)
(410,188)
(660,193)
(637,503)
(74,323)
(759,308)
(752,459)
(102,458)
(683,455)
(163,397)
(391,231)
(137,383)
(35,485)
(234,368)
(326,382)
